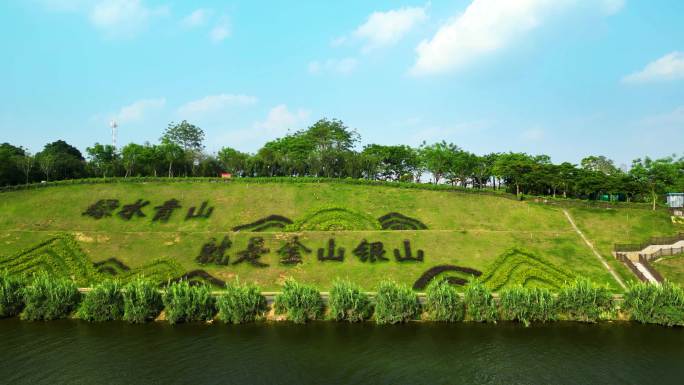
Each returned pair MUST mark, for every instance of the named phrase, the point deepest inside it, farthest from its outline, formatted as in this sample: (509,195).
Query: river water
(74,352)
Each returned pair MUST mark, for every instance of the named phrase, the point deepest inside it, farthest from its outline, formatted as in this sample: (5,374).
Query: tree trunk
(654,198)
(517,189)
(170,164)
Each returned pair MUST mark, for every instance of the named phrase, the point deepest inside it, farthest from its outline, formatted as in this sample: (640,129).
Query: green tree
(234,161)
(171,153)
(514,169)
(61,161)
(103,158)
(391,162)
(186,135)
(131,155)
(10,170)
(657,176)
(599,163)
(437,158)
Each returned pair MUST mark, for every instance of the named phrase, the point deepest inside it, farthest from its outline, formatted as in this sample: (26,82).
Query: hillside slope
(465,230)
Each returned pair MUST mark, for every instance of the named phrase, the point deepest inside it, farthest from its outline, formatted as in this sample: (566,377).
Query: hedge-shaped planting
(335,219)
(111,266)
(200,277)
(423,281)
(271,222)
(59,256)
(397,221)
(516,267)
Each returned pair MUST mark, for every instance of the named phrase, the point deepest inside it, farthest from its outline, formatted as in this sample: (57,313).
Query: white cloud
(338,41)
(115,18)
(611,7)
(671,119)
(533,134)
(387,28)
(667,68)
(221,31)
(278,122)
(123,17)
(197,18)
(454,131)
(487,26)
(65,5)
(136,111)
(341,66)
(280,119)
(214,103)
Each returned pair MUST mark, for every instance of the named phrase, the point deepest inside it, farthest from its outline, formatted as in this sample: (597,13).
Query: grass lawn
(462,229)
(671,268)
(605,227)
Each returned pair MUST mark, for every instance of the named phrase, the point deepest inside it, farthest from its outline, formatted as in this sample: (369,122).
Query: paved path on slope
(593,249)
(643,270)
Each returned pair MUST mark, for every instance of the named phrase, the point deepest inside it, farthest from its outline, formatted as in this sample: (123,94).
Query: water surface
(74,352)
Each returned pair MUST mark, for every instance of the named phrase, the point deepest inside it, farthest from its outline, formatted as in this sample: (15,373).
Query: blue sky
(568,78)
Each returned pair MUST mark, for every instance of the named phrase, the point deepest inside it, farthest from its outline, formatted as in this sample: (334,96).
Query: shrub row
(45,297)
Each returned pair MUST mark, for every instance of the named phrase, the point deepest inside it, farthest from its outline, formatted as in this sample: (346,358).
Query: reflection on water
(73,352)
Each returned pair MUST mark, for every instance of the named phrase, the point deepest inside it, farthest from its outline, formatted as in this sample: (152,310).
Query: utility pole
(114,126)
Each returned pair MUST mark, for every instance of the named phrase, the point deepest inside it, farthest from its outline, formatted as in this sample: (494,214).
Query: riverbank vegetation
(395,303)
(240,303)
(43,297)
(347,302)
(299,302)
(47,298)
(105,302)
(185,303)
(142,301)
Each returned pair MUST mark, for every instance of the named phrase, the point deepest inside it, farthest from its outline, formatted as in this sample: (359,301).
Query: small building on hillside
(675,201)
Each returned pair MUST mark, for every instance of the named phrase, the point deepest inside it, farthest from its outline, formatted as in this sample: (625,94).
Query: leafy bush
(299,302)
(240,303)
(347,302)
(479,303)
(527,305)
(185,303)
(48,298)
(658,304)
(142,301)
(105,302)
(443,302)
(584,301)
(395,303)
(11,296)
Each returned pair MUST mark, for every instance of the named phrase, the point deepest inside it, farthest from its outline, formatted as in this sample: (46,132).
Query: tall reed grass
(142,301)
(347,302)
(585,301)
(443,302)
(395,303)
(105,302)
(186,303)
(11,295)
(479,303)
(658,304)
(527,305)
(48,298)
(240,303)
(299,302)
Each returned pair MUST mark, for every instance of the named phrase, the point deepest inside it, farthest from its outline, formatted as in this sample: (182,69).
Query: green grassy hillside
(509,242)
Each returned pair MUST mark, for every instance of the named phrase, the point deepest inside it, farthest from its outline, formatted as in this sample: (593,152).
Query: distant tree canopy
(328,148)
